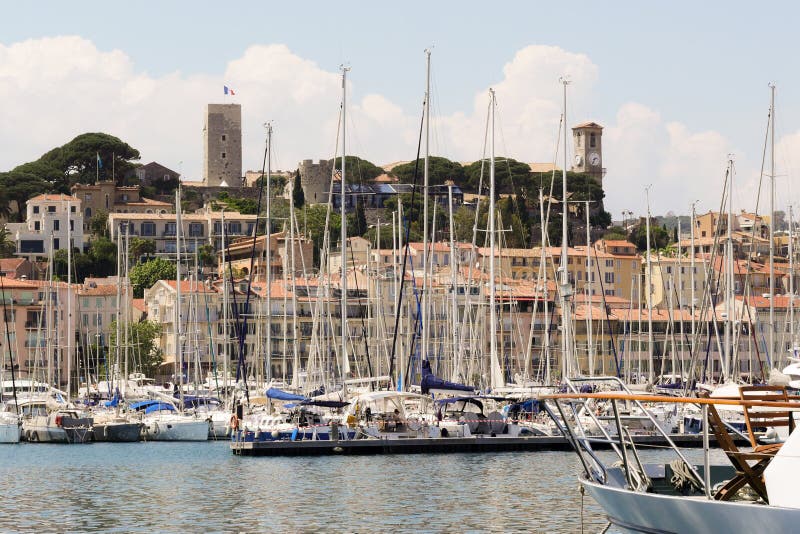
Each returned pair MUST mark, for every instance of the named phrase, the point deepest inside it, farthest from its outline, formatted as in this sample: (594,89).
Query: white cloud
(58,87)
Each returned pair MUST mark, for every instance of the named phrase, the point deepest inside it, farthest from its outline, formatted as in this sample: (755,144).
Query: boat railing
(567,409)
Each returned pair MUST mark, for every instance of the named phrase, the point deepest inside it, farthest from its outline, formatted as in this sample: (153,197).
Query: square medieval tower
(222,145)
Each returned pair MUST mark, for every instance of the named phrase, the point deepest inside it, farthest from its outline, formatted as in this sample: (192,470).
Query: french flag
(228,90)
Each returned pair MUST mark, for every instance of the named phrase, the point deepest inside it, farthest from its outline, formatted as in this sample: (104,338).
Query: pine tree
(297,192)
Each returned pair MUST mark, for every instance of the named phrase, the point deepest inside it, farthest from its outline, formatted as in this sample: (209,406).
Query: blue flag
(99,161)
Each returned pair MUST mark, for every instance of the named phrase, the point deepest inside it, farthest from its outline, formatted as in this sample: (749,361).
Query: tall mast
(177,335)
(453,274)
(343,237)
(729,277)
(791,279)
(496,374)
(225,338)
(691,274)
(772,225)
(566,290)
(543,281)
(118,331)
(70,335)
(588,292)
(649,280)
(268,251)
(426,192)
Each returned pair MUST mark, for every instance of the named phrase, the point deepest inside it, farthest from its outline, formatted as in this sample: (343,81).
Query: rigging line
(513,196)
(608,319)
(407,248)
(8,342)
(240,364)
(364,335)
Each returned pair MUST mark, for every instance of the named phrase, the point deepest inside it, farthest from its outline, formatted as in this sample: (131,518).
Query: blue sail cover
(114,402)
(275,393)
(431,381)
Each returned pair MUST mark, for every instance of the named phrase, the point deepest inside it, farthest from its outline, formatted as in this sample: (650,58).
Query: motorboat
(60,425)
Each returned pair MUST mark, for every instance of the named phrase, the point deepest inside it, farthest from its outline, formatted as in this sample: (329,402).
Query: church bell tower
(587,139)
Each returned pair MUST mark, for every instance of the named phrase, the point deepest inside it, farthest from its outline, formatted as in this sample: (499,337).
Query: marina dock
(435,445)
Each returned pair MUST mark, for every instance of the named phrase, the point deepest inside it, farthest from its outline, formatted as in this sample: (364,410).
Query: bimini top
(278,394)
(150,406)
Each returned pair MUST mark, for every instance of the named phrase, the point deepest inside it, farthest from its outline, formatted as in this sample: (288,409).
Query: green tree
(206,255)
(78,159)
(98,223)
(439,171)
(659,237)
(358,170)
(510,175)
(297,192)
(139,247)
(357,221)
(7,245)
(312,221)
(245,206)
(144,275)
(142,336)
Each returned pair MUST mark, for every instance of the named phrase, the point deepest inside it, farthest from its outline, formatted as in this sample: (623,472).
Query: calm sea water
(202,487)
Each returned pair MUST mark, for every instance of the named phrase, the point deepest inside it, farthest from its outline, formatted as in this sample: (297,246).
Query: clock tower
(587,139)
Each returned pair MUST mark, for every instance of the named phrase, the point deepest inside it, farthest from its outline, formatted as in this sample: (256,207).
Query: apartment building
(49,222)
(197,229)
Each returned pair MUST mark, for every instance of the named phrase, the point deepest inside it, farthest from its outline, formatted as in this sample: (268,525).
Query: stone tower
(222,145)
(316,180)
(587,140)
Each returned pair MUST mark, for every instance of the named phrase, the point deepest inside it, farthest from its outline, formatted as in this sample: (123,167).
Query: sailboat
(163,418)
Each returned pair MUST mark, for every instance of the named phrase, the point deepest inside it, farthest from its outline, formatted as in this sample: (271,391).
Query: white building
(48,222)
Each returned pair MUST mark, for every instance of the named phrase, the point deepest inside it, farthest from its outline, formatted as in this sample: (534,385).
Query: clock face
(578,159)
(594,159)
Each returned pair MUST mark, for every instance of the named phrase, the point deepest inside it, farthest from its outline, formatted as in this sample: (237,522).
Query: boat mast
(649,281)
(729,277)
(590,347)
(343,237)
(268,252)
(177,335)
(791,279)
(543,280)
(70,336)
(566,289)
(453,275)
(496,374)
(225,337)
(426,192)
(118,332)
(691,274)
(770,353)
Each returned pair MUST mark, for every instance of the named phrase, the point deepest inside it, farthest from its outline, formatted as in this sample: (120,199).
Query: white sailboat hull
(175,429)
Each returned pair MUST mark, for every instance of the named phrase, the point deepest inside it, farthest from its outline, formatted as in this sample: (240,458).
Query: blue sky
(694,69)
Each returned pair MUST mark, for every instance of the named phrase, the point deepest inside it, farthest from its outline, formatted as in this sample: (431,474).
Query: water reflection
(179,487)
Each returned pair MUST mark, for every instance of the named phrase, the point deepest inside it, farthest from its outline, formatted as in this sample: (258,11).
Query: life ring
(234,423)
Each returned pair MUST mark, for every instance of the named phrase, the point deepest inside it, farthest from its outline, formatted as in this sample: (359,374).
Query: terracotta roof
(97,291)
(618,243)
(759,302)
(139,304)
(146,202)
(52,198)
(10,265)
(190,286)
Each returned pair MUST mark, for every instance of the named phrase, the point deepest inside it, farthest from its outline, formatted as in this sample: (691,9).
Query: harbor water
(202,487)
